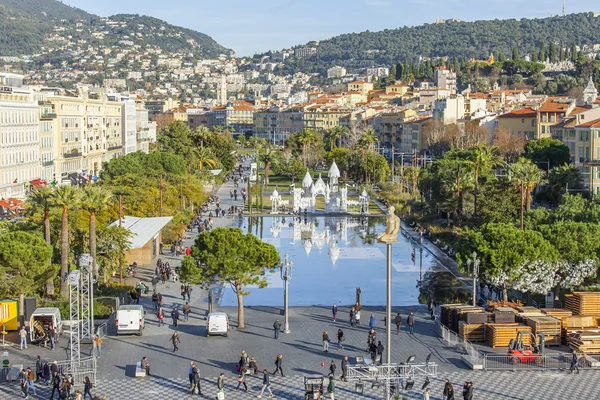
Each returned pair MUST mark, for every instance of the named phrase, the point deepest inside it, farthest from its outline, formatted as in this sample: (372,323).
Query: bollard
(358,296)
(210,301)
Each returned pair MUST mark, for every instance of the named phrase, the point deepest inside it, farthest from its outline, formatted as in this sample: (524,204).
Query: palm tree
(483,158)
(206,158)
(201,135)
(113,243)
(335,135)
(95,199)
(66,197)
(306,138)
(365,143)
(526,176)
(562,179)
(268,158)
(41,199)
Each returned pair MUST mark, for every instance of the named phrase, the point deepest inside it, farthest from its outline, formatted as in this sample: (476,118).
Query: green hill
(25,25)
(453,39)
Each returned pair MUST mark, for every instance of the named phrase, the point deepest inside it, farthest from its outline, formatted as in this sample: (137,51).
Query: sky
(256,26)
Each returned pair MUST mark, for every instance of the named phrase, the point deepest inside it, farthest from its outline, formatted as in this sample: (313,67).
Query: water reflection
(334,255)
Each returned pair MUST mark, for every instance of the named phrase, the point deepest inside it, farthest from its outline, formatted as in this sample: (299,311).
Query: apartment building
(521,122)
(48,127)
(336,72)
(445,79)
(361,87)
(175,114)
(449,110)
(237,116)
(129,126)
(145,130)
(277,124)
(400,131)
(19,137)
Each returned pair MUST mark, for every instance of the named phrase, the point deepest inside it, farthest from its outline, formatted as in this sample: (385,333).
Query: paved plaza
(302,353)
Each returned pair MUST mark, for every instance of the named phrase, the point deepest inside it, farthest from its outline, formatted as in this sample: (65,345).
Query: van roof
(46,310)
(217,314)
(130,307)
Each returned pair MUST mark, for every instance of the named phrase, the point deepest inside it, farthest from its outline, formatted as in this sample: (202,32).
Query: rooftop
(590,124)
(525,112)
(143,229)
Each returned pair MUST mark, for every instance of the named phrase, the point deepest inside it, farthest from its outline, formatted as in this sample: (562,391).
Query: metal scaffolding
(87,328)
(74,281)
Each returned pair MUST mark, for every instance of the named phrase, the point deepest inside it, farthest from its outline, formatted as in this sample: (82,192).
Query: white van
(42,321)
(217,323)
(130,319)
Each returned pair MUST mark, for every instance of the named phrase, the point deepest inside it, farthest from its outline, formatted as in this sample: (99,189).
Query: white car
(130,319)
(217,323)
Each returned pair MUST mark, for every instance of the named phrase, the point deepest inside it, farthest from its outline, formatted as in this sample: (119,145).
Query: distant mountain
(25,26)
(452,38)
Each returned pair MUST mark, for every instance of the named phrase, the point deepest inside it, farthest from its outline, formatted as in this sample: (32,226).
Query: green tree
(515,54)
(483,158)
(526,176)
(113,244)
(268,158)
(40,199)
(504,250)
(94,200)
(552,52)
(206,159)
(542,53)
(334,137)
(24,259)
(307,138)
(227,255)
(561,180)
(67,198)
(176,138)
(341,156)
(547,150)
(201,135)
(366,145)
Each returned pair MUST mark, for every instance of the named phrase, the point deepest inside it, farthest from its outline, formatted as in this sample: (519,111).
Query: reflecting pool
(333,256)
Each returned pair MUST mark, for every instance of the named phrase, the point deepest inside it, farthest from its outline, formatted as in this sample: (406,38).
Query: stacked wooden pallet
(525,312)
(585,341)
(557,312)
(583,303)
(549,326)
(471,332)
(446,313)
(574,324)
(499,335)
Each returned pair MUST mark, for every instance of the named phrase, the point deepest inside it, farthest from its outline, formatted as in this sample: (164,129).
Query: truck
(42,321)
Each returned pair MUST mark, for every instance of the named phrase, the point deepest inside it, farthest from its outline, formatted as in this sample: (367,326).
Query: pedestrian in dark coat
(332,368)
(334,311)
(398,321)
(380,352)
(197,379)
(279,364)
(411,322)
(175,340)
(345,369)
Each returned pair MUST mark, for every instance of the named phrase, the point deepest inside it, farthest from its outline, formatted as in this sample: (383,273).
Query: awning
(143,229)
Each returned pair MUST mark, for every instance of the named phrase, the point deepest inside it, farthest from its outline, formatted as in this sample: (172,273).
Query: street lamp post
(286,275)
(475,263)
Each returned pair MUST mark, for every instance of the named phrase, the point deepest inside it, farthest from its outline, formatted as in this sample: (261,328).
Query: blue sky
(249,26)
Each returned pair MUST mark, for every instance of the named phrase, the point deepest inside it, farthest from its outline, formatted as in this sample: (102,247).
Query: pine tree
(515,54)
(501,57)
(542,53)
(561,53)
(552,52)
(399,70)
(392,75)
(574,52)
(534,56)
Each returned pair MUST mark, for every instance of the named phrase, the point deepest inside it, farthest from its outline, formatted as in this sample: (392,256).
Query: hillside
(453,39)
(43,26)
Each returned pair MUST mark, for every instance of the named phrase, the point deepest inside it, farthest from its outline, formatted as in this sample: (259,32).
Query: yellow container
(9,314)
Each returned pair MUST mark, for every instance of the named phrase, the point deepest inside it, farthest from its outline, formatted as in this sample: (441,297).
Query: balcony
(47,163)
(48,116)
(112,148)
(72,154)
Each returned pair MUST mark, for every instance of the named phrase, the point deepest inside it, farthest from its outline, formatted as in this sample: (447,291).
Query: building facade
(19,137)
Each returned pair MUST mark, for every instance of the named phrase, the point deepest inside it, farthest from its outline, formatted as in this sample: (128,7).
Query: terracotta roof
(525,112)
(359,82)
(398,85)
(591,124)
(566,123)
(579,109)
(478,95)
(555,105)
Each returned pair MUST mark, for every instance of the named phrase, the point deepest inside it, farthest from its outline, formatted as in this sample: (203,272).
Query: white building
(19,136)
(445,79)
(129,126)
(336,72)
(304,52)
(449,110)
(146,131)
(381,72)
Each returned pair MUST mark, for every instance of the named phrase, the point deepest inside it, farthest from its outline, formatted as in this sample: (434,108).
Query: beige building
(361,87)
(19,137)
(175,114)
(399,131)
(521,122)
(277,124)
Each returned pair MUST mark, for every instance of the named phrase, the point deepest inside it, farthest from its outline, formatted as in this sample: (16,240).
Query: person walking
(31,382)
(154,301)
(380,352)
(279,364)
(252,366)
(161,316)
(468,391)
(196,372)
(191,376)
(242,379)
(175,316)
(398,321)
(39,368)
(332,368)
(276,328)
(186,311)
(23,382)
(352,317)
(426,394)
(357,309)
(51,334)
(446,389)
(175,340)
(23,336)
(146,365)
(340,338)
(266,384)
(54,368)
(46,374)
(325,342)
(411,322)
(331,388)
(183,292)
(55,385)
(87,388)
(97,346)
(450,392)
(372,321)
(334,311)
(221,386)
(345,369)
(574,362)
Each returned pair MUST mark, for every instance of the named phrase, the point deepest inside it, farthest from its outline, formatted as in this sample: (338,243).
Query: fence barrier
(451,338)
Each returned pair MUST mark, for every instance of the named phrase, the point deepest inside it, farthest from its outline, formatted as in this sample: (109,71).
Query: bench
(139,371)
